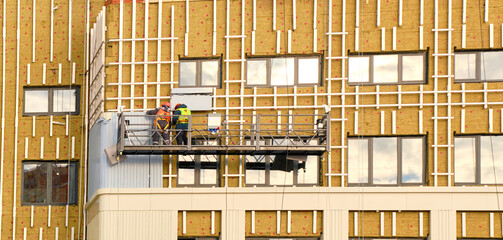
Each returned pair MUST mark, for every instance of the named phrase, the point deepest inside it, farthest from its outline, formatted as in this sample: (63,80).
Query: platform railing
(252,135)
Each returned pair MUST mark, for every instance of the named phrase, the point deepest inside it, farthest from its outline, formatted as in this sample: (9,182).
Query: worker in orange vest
(161,123)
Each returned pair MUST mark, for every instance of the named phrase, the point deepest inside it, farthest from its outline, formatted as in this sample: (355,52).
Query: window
(270,170)
(198,170)
(199,73)
(478,159)
(49,183)
(386,160)
(51,101)
(397,68)
(283,71)
(478,66)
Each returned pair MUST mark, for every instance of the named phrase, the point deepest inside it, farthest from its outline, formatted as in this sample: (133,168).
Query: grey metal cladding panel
(142,171)
(184,91)
(193,102)
(95,168)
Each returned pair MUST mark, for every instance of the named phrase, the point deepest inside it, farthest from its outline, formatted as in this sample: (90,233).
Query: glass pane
(281,177)
(186,174)
(64,100)
(209,167)
(412,160)
(358,69)
(464,66)
(282,71)
(412,68)
(187,73)
(358,161)
(256,72)
(491,66)
(255,167)
(464,160)
(59,182)
(309,173)
(34,183)
(309,70)
(36,101)
(209,73)
(384,161)
(491,159)
(385,68)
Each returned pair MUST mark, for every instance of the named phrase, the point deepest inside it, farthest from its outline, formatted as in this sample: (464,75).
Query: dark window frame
(295,182)
(50,91)
(399,160)
(478,159)
(400,81)
(199,74)
(49,183)
(296,58)
(478,65)
(197,166)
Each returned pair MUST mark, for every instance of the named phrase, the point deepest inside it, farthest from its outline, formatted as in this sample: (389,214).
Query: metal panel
(125,225)
(196,99)
(139,171)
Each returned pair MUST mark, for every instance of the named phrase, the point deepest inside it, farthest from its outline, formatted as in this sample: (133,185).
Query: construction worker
(181,121)
(161,123)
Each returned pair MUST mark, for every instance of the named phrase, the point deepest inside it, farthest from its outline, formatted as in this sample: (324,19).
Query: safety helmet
(167,104)
(177,106)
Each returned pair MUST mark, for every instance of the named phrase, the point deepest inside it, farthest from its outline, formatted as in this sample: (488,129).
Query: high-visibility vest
(184,112)
(162,115)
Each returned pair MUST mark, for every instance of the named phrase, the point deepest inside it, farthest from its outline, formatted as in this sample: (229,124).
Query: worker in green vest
(180,120)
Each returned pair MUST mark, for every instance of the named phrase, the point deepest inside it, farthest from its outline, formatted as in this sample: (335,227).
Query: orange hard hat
(177,106)
(167,104)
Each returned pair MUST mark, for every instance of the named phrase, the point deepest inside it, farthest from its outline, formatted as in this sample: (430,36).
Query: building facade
(412,91)
(42,175)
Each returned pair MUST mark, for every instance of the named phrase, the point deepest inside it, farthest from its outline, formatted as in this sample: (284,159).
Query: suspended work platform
(215,134)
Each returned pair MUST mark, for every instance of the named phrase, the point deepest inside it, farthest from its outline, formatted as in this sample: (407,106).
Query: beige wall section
(337,206)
